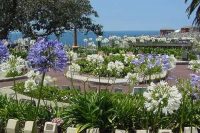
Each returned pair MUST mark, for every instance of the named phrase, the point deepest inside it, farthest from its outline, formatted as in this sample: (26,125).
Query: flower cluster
(72,55)
(127,41)
(34,79)
(149,64)
(58,121)
(116,66)
(128,58)
(195,83)
(3,52)
(24,42)
(133,78)
(74,68)
(99,38)
(13,65)
(194,65)
(45,54)
(90,43)
(162,97)
(195,80)
(95,58)
(30,85)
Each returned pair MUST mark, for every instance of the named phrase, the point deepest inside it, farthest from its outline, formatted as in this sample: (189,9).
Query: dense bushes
(177,52)
(10,109)
(108,111)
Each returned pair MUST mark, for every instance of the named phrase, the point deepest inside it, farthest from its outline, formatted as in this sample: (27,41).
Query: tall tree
(8,10)
(194,6)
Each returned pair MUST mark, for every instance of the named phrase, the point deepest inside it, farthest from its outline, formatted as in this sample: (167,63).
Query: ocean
(67,37)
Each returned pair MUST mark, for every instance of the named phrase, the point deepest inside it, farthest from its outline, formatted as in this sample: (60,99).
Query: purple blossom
(150,65)
(195,80)
(150,57)
(3,52)
(44,55)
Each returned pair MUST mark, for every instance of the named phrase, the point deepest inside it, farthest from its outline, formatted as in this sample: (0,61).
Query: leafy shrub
(90,110)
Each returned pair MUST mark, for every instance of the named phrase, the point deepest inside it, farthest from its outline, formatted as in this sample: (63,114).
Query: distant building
(189,29)
(166,31)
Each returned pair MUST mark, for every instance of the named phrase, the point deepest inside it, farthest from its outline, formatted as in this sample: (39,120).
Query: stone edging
(11,79)
(117,81)
(9,92)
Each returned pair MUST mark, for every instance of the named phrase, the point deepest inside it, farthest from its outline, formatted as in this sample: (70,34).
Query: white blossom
(30,85)
(116,66)
(13,64)
(72,55)
(162,96)
(95,58)
(194,65)
(74,68)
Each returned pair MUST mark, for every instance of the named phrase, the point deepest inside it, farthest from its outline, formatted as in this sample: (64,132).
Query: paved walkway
(181,71)
(10,93)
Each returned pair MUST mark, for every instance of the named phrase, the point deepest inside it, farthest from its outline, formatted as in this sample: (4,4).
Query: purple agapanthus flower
(195,80)
(3,52)
(45,55)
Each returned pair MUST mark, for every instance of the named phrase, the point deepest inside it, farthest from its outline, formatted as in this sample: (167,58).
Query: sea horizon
(67,37)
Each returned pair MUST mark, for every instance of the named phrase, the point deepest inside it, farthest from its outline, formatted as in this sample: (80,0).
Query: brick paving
(181,71)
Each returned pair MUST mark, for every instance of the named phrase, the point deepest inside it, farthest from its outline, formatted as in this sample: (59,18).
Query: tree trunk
(75,45)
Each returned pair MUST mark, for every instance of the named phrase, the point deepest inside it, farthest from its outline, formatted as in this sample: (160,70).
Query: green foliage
(13,74)
(48,93)
(106,110)
(177,52)
(194,7)
(10,109)
(18,53)
(90,110)
(127,111)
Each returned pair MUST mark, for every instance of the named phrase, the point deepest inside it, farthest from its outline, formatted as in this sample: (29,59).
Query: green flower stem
(99,83)
(14,85)
(40,95)
(71,78)
(108,82)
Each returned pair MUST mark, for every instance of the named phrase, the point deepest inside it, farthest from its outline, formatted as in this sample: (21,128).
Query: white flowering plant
(34,79)
(162,98)
(119,65)
(194,65)
(13,66)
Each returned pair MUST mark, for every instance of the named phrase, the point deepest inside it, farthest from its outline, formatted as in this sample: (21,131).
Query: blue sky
(116,15)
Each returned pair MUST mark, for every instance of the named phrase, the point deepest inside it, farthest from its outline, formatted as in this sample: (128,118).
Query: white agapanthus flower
(74,68)
(91,44)
(105,40)
(37,77)
(128,58)
(85,40)
(30,85)
(194,65)
(99,38)
(133,78)
(172,61)
(32,74)
(72,55)
(162,97)
(116,66)
(95,58)
(13,64)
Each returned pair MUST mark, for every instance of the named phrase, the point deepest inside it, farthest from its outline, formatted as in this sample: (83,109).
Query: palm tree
(194,5)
